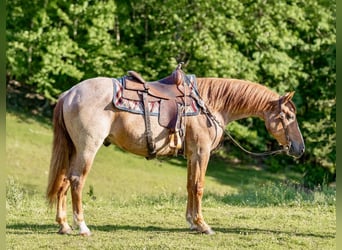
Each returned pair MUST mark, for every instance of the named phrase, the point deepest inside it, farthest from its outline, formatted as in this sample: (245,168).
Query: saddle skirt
(128,97)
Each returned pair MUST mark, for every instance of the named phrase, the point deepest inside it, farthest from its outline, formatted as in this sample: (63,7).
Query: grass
(132,203)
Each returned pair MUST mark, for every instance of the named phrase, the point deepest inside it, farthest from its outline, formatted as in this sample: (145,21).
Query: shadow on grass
(23,228)
(237,175)
(240,231)
(110,228)
(27,117)
(247,231)
(23,101)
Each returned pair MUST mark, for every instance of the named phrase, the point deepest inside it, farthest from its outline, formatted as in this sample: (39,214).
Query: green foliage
(283,194)
(15,194)
(286,45)
(91,192)
(56,45)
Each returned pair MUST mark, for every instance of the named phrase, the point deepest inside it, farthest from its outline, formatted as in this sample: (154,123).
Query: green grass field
(132,203)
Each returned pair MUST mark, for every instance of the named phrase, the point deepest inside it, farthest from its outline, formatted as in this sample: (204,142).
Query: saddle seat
(168,88)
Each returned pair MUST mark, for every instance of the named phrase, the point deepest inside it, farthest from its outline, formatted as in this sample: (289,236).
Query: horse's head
(281,122)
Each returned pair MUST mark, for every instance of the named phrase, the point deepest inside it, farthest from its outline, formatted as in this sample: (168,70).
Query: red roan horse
(85,117)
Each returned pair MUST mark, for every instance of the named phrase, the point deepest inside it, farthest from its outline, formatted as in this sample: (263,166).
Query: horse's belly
(128,132)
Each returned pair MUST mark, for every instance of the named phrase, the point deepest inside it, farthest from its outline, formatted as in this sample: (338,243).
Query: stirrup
(175,141)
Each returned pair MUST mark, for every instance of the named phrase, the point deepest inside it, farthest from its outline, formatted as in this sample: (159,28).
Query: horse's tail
(62,149)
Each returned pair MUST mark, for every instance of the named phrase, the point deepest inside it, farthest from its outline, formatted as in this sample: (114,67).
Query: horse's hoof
(84,230)
(208,232)
(85,234)
(65,231)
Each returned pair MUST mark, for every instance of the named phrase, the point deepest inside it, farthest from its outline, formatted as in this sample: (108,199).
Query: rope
(267,153)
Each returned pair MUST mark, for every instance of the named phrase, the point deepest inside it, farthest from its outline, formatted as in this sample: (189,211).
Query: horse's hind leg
(80,167)
(61,216)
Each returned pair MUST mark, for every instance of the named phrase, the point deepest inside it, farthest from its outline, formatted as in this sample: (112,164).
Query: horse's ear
(287,97)
(283,99)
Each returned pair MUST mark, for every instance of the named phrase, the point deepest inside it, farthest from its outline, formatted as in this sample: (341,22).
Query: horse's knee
(75,181)
(197,190)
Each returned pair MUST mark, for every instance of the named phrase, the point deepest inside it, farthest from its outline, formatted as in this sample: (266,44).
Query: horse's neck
(228,100)
(237,116)
(226,116)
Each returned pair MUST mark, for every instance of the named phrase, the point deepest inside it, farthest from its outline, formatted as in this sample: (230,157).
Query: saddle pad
(137,107)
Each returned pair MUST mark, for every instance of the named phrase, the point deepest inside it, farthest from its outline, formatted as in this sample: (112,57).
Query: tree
(55,45)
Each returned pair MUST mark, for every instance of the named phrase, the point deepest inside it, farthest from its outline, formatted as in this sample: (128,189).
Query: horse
(85,117)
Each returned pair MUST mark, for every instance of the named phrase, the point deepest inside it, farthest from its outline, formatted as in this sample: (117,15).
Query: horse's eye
(290,117)
(282,115)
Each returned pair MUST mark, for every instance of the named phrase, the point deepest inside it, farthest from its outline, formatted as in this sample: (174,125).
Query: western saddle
(172,93)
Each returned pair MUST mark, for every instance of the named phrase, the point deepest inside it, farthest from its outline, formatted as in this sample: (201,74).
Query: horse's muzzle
(296,150)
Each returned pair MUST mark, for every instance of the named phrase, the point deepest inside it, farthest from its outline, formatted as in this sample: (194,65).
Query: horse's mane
(235,95)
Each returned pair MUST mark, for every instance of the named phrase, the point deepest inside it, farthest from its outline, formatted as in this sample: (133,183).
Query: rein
(267,153)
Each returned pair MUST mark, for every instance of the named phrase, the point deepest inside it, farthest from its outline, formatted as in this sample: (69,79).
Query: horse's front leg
(190,204)
(197,166)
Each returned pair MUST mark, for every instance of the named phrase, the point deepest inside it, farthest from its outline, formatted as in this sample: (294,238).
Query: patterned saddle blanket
(130,100)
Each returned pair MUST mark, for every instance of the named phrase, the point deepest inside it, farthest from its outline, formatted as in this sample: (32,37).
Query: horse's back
(99,87)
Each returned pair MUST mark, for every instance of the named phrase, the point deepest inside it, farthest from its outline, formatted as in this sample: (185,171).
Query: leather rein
(281,116)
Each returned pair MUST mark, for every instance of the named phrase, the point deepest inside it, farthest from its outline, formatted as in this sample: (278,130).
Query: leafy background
(285,45)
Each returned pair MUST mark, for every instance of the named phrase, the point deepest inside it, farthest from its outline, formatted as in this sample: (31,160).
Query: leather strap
(149,138)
